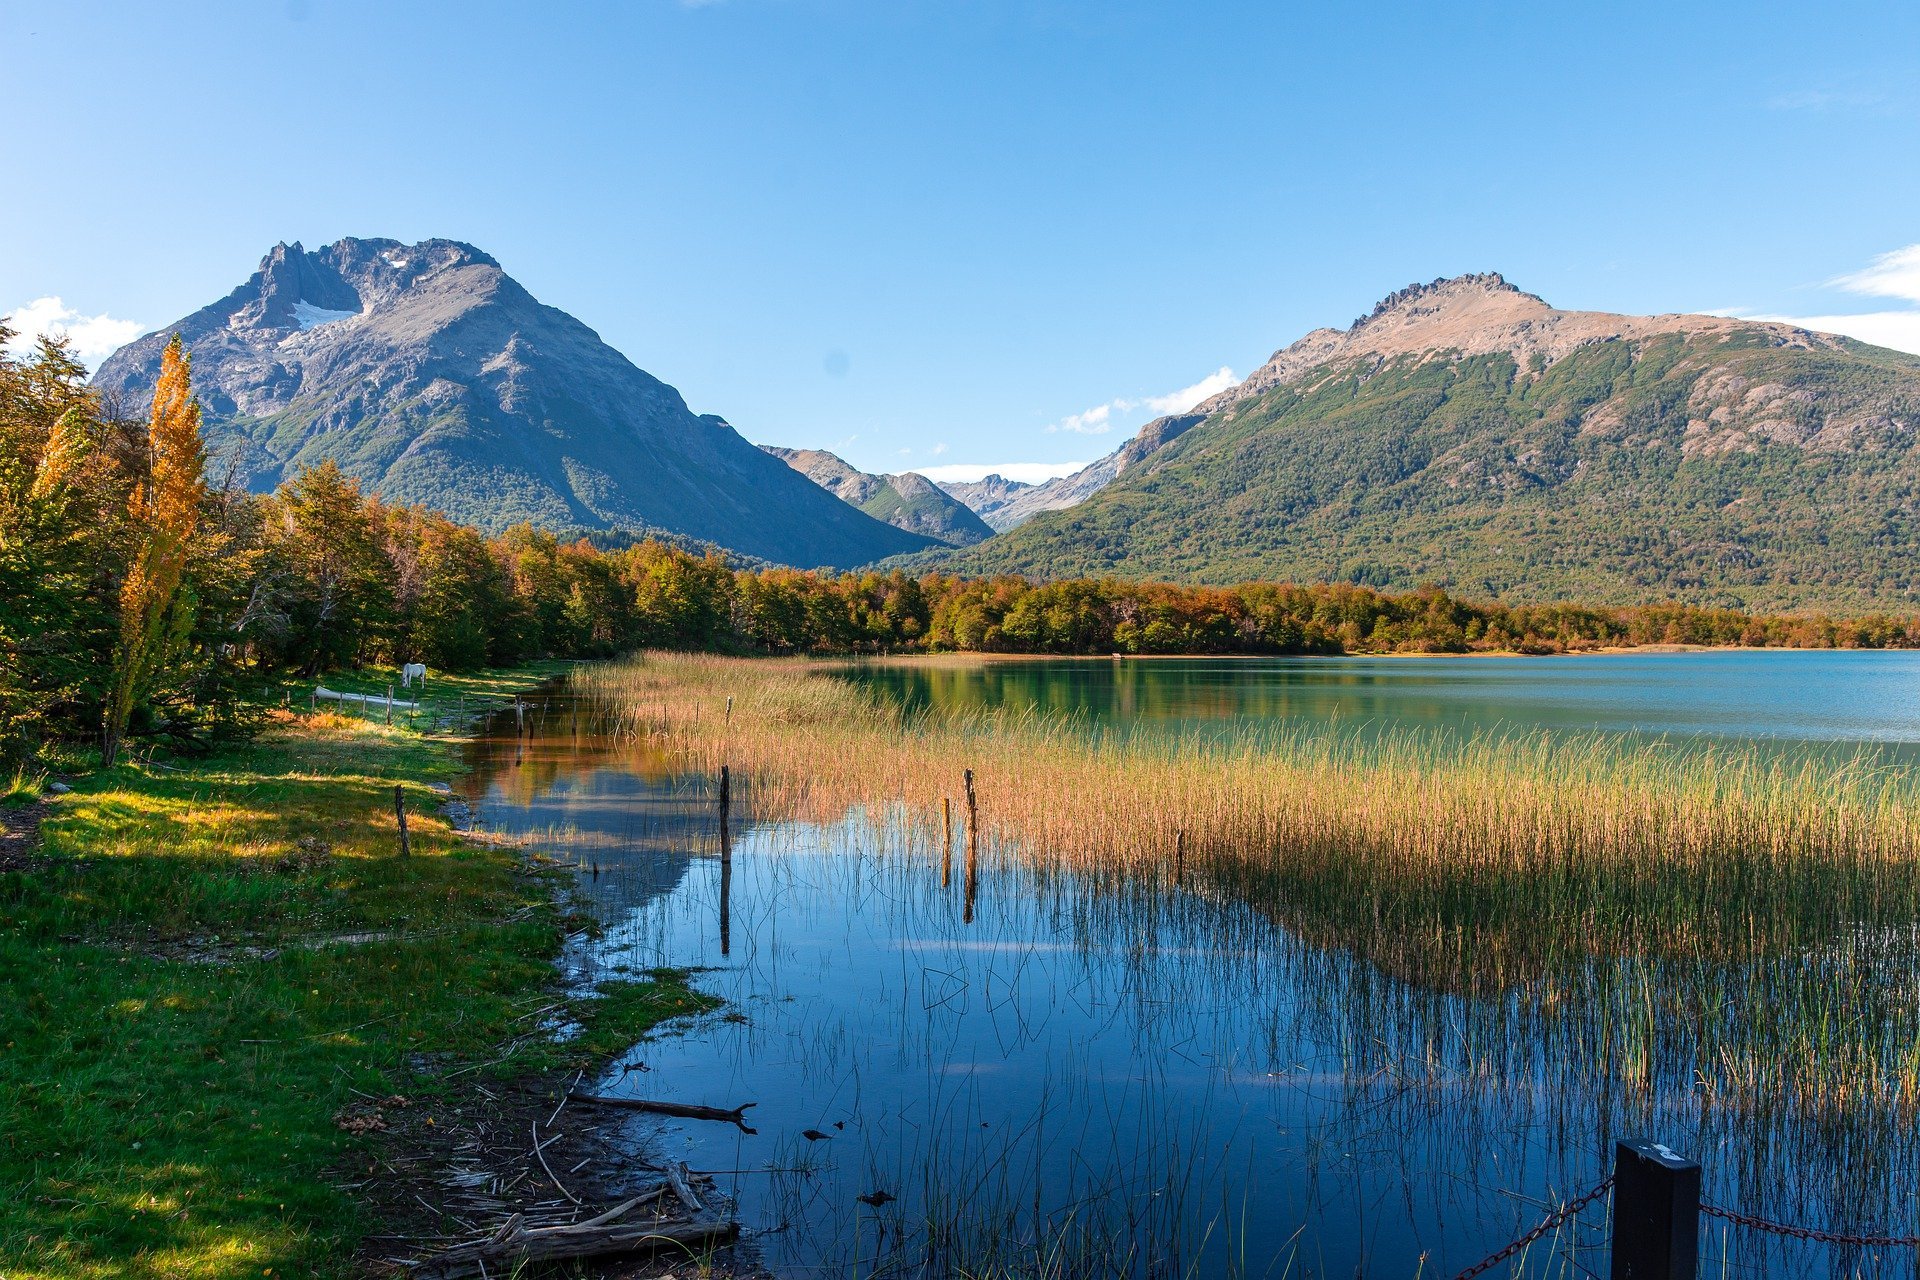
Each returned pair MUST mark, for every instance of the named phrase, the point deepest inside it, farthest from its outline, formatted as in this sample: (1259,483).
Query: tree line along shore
(140,596)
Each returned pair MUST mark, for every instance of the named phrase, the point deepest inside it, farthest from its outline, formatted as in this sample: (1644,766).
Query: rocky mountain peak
(1447,292)
(431,377)
(297,288)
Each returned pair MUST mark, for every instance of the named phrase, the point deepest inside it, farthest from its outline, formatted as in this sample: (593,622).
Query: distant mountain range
(907,501)
(1463,433)
(428,374)
(1467,434)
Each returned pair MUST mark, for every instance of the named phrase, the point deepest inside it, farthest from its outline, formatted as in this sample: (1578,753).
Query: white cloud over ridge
(91,338)
(1891,275)
(1100,419)
(1186,397)
(1899,330)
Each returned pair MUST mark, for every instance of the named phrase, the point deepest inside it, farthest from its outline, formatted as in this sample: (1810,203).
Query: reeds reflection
(1350,1054)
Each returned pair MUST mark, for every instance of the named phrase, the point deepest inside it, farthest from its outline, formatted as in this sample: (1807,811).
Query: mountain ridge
(907,500)
(433,377)
(1467,434)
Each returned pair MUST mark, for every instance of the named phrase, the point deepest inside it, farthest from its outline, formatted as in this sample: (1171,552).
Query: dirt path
(20,835)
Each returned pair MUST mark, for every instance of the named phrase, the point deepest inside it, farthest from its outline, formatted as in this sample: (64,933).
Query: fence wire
(1808,1233)
(1552,1221)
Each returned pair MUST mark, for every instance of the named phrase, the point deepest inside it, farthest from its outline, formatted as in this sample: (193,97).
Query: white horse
(412,669)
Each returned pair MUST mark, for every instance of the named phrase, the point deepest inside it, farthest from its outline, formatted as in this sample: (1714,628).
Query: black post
(1656,1212)
(973,847)
(726,802)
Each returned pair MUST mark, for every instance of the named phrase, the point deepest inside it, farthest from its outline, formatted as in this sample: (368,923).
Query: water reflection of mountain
(1778,696)
(616,812)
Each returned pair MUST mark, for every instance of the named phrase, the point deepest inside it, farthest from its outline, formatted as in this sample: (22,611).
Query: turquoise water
(1780,696)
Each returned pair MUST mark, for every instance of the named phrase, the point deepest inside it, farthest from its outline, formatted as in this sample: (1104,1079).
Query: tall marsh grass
(1734,922)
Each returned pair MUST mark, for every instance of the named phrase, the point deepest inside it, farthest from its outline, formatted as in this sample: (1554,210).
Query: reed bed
(1734,922)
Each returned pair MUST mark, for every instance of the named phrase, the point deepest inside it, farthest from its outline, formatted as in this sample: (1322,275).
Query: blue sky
(974,232)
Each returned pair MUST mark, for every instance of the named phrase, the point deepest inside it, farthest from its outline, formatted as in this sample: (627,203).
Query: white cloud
(93,338)
(1028,472)
(1094,422)
(1099,420)
(1186,397)
(1892,275)
(938,449)
(1897,329)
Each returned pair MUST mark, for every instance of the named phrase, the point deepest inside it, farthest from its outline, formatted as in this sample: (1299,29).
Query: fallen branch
(539,1149)
(515,1244)
(677,1179)
(686,1111)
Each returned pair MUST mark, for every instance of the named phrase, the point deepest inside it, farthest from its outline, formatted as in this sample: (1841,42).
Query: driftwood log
(679,1177)
(516,1244)
(686,1111)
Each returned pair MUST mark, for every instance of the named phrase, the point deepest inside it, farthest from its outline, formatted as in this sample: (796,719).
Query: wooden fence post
(389,704)
(1656,1212)
(946,844)
(726,803)
(973,847)
(400,812)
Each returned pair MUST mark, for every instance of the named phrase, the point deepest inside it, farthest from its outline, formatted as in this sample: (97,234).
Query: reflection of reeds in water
(1728,922)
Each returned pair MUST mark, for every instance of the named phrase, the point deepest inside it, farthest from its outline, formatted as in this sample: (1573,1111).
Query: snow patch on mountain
(308,316)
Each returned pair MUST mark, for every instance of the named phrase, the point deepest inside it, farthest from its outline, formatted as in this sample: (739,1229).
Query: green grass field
(187,1008)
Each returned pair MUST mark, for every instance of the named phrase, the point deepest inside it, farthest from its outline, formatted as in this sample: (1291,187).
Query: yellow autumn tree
(166,511)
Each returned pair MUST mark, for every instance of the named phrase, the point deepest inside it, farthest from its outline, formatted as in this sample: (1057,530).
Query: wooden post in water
(726,906)
(726,863)
(1656,1212)
(946,844)
(1180,855)
(400,813)
(973,848)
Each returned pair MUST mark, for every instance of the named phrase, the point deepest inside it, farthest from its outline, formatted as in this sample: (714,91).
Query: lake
(1074,1076)
(1757,695)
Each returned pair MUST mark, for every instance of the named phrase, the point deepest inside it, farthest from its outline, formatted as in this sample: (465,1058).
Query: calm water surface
(1780,695)
(1165,1083)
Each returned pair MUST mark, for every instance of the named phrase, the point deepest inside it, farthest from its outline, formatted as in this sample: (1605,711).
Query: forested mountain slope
(1468,435)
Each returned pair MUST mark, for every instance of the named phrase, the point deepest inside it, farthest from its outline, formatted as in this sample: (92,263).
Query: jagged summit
(1443,290)
(433,377)
(294,286)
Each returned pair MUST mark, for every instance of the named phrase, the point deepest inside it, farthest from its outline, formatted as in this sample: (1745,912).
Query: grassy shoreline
(210,960)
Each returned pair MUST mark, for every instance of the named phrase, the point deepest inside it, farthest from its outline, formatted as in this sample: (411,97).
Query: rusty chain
(1809,1233)
(1559,1216)
(1734,1216)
